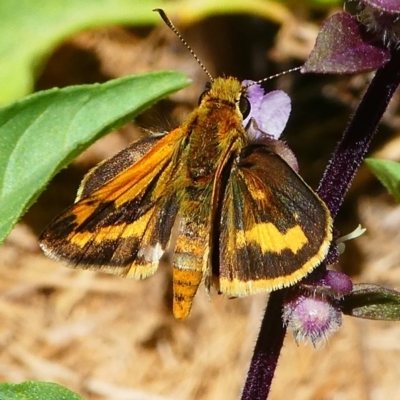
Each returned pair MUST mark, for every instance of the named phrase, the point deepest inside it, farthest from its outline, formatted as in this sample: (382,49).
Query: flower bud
(311,318)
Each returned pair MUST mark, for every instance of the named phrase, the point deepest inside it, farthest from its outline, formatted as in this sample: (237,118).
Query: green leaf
(373,302)
(30,30)
(388,172)
(36,391)
(42,133)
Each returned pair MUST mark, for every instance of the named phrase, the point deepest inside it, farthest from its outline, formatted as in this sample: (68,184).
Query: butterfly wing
(274,229)
(122,220)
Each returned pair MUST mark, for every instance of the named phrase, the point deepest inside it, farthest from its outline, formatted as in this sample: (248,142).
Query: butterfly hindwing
(274,229)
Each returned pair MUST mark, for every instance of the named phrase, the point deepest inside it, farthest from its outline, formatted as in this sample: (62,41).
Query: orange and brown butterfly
(243,220)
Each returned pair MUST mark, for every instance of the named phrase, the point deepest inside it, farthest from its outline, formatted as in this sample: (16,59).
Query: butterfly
(219,192)
(244,220)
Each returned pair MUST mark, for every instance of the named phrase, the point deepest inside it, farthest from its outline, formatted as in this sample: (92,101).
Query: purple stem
(358,135)
(333,186)
(266,352)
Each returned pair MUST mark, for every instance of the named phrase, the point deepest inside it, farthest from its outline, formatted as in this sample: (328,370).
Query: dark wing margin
(274,229)
(121,224)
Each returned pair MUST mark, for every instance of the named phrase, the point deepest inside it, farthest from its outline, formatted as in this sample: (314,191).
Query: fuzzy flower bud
(339,283)
(311,318)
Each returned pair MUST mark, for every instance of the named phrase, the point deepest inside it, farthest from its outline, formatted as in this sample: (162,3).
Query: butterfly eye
(207,89)
(203,95)
(244,106)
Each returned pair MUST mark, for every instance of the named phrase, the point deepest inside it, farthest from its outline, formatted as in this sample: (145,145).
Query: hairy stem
(266,352)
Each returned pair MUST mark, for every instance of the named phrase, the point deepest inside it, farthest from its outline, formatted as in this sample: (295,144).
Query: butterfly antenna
(273,76)
(173,29)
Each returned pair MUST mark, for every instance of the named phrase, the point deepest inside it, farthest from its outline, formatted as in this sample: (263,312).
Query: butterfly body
(244,220)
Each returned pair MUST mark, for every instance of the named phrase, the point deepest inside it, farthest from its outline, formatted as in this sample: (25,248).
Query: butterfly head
(228,91)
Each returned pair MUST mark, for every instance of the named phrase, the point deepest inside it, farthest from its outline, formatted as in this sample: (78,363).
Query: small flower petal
(270,111)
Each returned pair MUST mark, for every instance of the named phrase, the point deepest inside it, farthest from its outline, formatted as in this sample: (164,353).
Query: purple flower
(270,111)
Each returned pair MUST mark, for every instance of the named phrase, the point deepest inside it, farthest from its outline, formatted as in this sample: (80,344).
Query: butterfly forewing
(122,226)
(110,168)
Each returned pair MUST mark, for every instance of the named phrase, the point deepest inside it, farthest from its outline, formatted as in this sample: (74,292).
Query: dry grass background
(111,338)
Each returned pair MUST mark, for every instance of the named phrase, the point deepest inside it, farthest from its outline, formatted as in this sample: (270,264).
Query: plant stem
(266,352)
(358,135)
